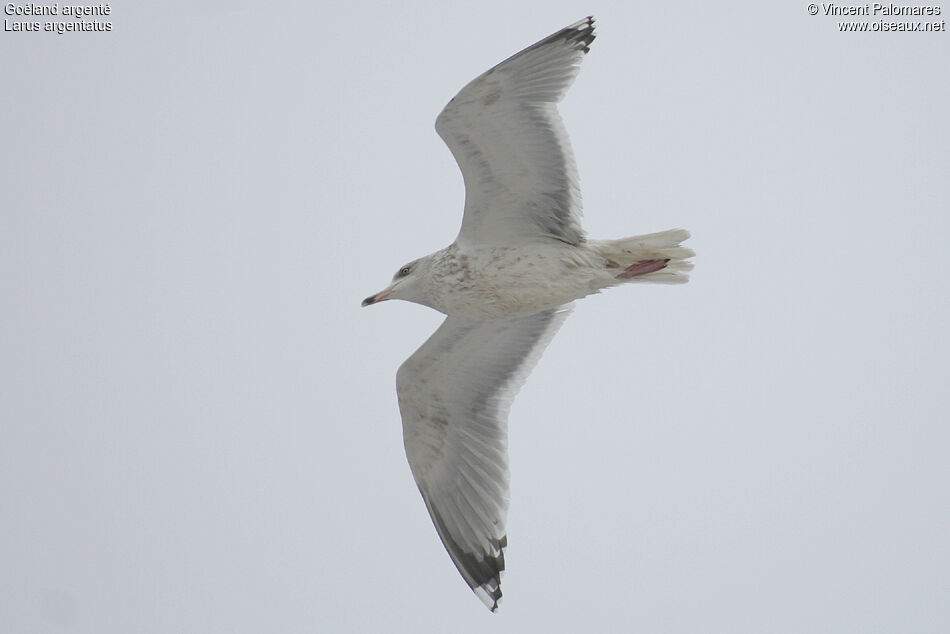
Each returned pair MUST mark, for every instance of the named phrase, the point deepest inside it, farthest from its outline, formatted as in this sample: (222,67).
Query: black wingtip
(582,32)
(579,35)
(490,595)
(481,571)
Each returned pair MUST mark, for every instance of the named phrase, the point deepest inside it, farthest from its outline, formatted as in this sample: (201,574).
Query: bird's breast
(499,282)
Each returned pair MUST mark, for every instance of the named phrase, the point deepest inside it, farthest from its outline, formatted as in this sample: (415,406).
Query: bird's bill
(378,297)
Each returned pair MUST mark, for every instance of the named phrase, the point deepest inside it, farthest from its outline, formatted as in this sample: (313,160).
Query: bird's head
(410,283)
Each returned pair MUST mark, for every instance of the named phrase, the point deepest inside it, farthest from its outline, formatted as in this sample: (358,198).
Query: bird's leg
(642,268)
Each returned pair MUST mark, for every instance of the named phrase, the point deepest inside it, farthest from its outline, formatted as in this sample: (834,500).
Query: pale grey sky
(199,423)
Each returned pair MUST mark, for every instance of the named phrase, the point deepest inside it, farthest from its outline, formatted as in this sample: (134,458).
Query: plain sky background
(199,423)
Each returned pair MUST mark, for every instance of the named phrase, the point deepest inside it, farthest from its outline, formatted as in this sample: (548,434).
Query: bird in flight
(505,285)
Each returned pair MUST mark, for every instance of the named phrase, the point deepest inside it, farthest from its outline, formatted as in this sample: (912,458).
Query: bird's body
(497,281)
(505,284)
(503,281)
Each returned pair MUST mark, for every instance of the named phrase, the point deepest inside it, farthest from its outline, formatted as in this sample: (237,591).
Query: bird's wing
(503,128)
(454,395)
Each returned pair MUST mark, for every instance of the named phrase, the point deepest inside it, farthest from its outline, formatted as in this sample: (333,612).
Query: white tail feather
(664,245)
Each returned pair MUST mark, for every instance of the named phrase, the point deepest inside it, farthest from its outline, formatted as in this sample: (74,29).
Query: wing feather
(454,396)
(503,128)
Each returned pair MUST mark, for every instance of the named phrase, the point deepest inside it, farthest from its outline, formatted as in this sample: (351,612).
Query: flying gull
(505,284)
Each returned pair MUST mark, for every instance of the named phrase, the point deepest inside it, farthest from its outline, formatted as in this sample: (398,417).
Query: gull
(505,285)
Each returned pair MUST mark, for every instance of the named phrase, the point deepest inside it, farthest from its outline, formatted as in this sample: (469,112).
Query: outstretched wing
(503,128)
(454,396)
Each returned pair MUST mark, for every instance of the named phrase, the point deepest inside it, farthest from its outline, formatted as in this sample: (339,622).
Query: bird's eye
(404,271)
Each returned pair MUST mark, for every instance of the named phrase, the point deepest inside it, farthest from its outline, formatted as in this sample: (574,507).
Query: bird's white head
(410,283)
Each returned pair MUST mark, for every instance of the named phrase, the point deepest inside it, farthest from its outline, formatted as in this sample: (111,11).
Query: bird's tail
(654,257)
